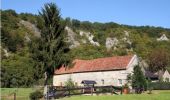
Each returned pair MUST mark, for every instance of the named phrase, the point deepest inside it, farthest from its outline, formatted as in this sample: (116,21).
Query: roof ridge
(106,63)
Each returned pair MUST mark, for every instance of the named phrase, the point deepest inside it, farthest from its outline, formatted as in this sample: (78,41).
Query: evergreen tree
(138,79)
(49,50)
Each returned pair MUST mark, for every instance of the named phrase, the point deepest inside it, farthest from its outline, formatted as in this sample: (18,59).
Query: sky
(129,12)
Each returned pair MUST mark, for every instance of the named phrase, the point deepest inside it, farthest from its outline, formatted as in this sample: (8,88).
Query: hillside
(86,41)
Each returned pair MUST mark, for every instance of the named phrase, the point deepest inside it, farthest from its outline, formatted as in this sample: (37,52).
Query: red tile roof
(100,64)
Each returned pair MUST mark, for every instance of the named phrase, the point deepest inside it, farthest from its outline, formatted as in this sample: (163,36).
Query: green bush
(160,85)
(69,84)
(104,90)
(36,95)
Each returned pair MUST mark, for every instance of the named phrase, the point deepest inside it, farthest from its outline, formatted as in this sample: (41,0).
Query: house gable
(134,61)
(166,76)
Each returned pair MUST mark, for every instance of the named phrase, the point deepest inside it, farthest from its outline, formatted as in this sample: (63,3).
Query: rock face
(6,54)
(126,33)
(127,40)
(111,42)
(31,27)
(27,39)
(89,37)
(163,38)
(71,38)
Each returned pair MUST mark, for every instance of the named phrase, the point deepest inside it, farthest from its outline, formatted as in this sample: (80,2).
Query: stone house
(104,71)
(155,77)
(166,76)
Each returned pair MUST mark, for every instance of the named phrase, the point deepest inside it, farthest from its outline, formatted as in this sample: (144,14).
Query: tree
(138,79)
(158,59)
(17,70)
(49,51)
(68,21)
(75,23)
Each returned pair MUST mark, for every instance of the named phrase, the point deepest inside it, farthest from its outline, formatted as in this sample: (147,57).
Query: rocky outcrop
(126,33)
(163,38)
(71,38)
(89,37)
(31,27)
(111,42)
(126,40)
(27,38)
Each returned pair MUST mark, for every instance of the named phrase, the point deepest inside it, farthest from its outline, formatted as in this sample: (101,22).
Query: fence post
(91,90)
(111,90)
(68,91)
(14,96)
(121,90)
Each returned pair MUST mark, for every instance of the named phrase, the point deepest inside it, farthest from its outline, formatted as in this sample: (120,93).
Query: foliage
(160,85)
(125,86)
(17,70)
(10,36)
(13,33)
(88,52)
(158,59)
(36,95)
(138,79)
(69,83)
(34,19)
(49,51)
(105,90)
(28,17)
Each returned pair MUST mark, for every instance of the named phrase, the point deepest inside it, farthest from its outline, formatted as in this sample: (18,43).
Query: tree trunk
(45,78)
(45,84)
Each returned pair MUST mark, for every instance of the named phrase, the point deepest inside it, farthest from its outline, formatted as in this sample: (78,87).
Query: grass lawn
(156,95)
(21,93)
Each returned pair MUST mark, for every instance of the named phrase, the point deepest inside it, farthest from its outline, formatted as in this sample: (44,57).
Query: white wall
(109,77)
(166,75)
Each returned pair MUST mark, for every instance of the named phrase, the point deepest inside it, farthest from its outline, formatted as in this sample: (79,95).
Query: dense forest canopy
(18,68)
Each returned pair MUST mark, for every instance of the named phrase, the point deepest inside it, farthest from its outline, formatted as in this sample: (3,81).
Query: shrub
(69,84)
(36,95)
(125,86)
(104,90)
(160,85)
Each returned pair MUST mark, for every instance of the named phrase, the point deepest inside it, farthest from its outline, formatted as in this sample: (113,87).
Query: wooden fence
(66,91)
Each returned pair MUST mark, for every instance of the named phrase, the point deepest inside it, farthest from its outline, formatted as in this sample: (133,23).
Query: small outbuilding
(88,83)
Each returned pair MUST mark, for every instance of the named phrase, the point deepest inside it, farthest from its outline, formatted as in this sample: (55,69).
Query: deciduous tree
(158,60)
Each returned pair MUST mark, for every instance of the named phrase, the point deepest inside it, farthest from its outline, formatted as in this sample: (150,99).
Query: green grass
(21,93)
(156,95)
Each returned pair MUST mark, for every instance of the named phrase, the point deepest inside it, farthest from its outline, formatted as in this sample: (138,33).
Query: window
(120,81)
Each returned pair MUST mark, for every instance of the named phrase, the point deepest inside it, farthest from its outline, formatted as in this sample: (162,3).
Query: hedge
(36,95)
(160,85)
